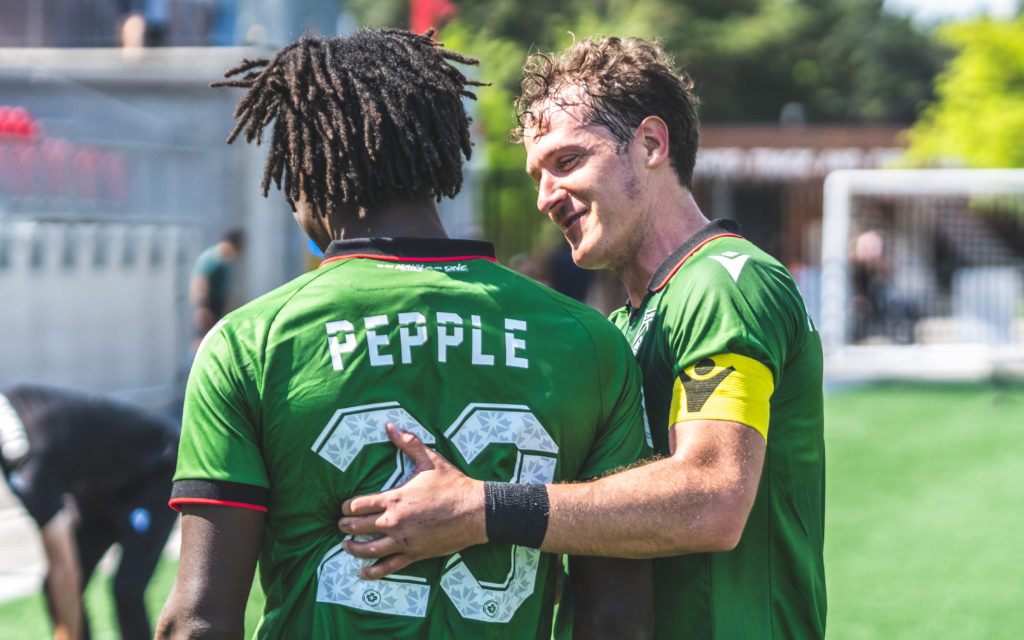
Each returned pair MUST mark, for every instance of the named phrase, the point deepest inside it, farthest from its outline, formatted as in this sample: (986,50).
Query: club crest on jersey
(733,263)
(700,381)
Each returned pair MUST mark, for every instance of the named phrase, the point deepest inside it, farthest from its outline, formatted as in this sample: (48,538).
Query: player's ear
(653,135)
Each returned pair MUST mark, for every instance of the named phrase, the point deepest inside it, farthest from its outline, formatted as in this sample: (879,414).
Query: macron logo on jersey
(733,263)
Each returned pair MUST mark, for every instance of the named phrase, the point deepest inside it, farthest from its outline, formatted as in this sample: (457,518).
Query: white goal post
(922,274)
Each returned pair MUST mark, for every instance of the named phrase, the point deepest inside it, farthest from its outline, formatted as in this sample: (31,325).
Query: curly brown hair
(620,82)
(358,120)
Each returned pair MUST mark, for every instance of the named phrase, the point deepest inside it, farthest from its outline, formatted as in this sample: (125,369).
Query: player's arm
(199,294)
(199,289)
(64,578)
(219,549)
(612,597)
(695,500)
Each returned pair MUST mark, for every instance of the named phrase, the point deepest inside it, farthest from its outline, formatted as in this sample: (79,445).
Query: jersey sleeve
(219,456)
(726,339)
(623,436)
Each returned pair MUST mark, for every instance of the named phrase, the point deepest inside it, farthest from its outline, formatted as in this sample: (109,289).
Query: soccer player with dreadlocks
(287,402)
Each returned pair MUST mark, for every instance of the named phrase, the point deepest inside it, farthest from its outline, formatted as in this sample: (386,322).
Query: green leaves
(978,117)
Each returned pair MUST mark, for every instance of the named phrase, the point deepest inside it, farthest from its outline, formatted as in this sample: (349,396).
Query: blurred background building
(115,175)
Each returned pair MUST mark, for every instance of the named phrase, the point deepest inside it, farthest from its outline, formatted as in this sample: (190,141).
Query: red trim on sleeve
(687,257)
(174,502)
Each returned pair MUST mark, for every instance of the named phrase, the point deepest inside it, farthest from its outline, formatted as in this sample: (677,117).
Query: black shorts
(137,517)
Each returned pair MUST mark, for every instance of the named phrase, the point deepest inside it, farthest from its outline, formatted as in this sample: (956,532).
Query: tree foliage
(841,60)
(977,119)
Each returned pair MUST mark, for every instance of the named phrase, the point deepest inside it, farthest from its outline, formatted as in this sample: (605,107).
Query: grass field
(25,618)
(925,512)
(925,519)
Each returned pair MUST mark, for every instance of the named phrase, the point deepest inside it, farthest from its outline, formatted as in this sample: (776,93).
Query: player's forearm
(173,627)
(654,510)
(186,616)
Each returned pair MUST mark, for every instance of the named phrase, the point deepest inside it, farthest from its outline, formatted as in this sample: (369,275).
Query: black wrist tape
(516,513)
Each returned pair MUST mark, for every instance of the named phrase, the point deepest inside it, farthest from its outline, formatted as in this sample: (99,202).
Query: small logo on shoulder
(733,263)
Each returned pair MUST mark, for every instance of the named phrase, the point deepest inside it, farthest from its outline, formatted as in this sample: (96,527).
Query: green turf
(925,512)
(25,618)
(924,531)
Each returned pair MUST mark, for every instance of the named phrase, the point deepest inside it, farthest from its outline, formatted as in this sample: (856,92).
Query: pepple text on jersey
(442,335)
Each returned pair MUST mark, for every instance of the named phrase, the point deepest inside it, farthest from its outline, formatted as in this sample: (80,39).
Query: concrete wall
(93,277)
(103,212)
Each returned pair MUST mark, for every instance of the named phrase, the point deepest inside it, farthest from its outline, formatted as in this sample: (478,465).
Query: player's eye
(567,162)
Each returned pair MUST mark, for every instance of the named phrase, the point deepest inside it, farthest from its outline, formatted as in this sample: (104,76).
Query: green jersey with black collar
(723,334)
(509,380)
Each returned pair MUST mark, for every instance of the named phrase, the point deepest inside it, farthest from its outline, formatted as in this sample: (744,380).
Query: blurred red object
(17,121)
(424,14)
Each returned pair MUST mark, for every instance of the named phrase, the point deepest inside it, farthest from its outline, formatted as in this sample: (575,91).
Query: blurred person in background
(869,275)
(733,511)
(143,23)
(211,286)
(881,313)
(91,472)
(565,276)
(287,401)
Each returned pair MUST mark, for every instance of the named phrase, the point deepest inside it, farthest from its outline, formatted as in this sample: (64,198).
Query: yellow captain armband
(723,387)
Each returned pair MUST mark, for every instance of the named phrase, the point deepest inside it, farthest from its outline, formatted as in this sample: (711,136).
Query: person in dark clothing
(91,472)
(566,276)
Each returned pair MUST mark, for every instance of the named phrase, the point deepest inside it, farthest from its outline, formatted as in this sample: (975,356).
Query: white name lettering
(405,322)
(445,339)
(513,344)
(375,341)
(404,338)
(337,348)
(479,357)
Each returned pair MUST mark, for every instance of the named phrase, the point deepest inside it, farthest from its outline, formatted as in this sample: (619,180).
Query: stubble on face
(613,194)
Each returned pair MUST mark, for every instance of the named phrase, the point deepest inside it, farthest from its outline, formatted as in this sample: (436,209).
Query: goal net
(923,274)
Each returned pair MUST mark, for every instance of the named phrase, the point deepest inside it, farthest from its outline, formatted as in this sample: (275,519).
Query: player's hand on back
(439,511)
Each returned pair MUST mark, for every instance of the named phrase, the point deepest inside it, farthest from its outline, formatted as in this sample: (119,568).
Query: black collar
(714,229)
(409,248)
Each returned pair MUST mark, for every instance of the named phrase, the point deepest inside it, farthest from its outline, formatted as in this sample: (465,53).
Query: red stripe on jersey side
(404,259)
(174,502)
(687,257)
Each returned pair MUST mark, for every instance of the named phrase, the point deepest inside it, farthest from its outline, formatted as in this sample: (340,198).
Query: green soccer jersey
(286,406)
(723,334)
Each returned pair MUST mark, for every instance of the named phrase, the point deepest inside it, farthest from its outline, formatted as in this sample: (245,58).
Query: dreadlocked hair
(358,120)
